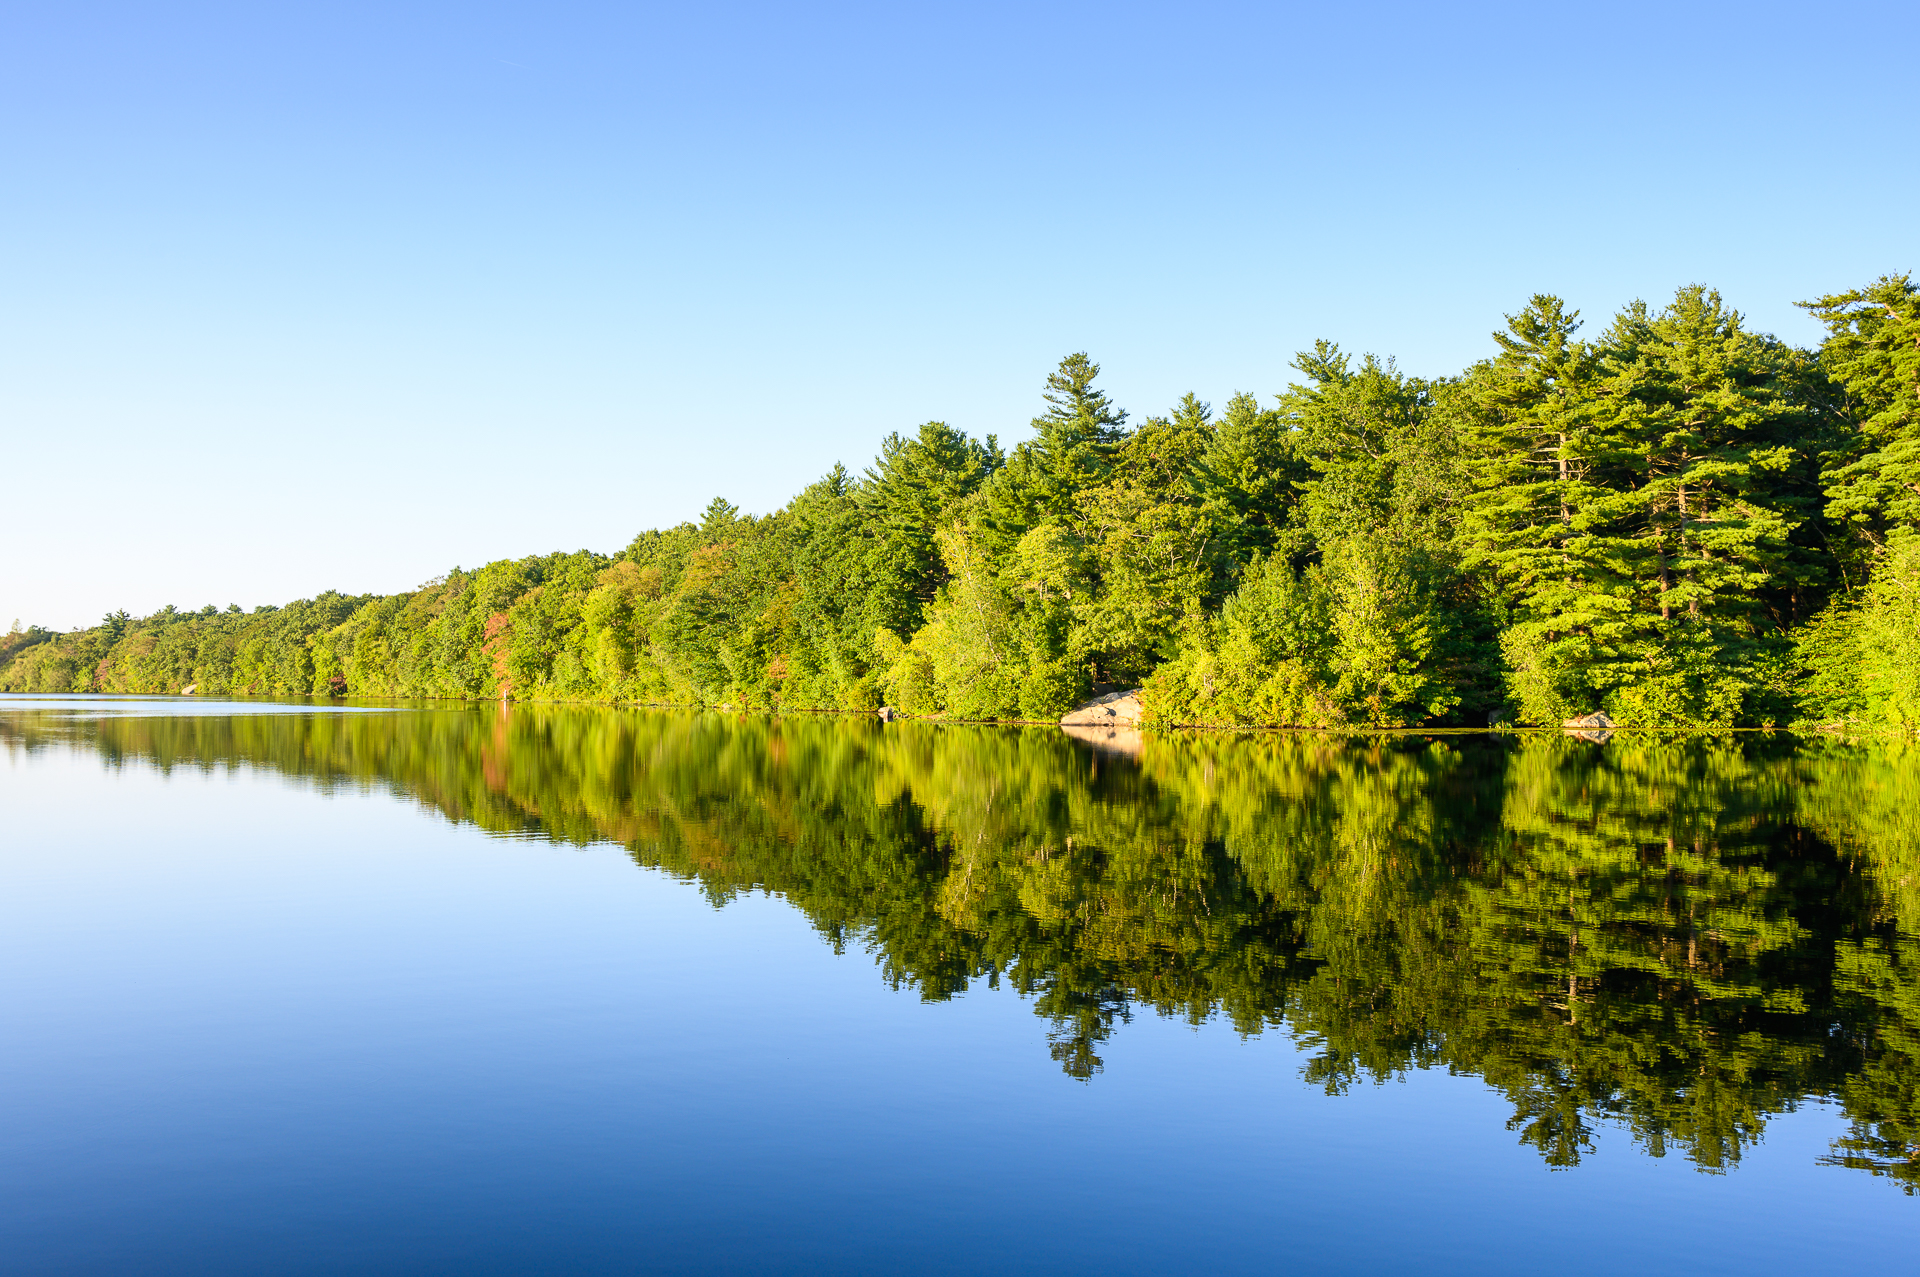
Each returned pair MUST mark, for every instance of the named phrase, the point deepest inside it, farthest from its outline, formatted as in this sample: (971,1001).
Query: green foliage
(1680,521)
(1267,657)
(1872,357)
(1863,657)
(1072,450)
(18,640)
(1644,507)
(1385,630)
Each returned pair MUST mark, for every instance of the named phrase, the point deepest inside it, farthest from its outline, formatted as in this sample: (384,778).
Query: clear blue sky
(306,296)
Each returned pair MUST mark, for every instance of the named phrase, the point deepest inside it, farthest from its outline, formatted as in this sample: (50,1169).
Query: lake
(477,988)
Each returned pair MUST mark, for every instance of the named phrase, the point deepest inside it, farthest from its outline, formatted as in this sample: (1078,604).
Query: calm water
(458,989)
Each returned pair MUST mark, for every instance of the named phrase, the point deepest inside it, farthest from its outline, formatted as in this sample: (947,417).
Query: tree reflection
(1679,936)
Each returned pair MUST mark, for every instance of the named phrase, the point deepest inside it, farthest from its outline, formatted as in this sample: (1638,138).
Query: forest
(1674,519)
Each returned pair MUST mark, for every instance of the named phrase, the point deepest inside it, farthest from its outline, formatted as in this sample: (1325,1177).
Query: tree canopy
(1675,519)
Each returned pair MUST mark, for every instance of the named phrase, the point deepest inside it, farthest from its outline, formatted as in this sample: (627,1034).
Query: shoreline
(1826,730)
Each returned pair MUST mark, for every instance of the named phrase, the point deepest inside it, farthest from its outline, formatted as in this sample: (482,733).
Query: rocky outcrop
(1115,709)
(1110,723)
(1594,727)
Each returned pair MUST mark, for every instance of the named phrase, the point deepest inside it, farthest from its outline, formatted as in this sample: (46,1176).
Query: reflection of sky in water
(95,705)
(260,1026)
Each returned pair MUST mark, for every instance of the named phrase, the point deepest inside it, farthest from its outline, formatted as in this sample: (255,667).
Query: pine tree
(1148,546)
(909,492)
(1248,480)
(1872,354)
(1696,406)
(1073,450)
(1347,428)
(1526,424)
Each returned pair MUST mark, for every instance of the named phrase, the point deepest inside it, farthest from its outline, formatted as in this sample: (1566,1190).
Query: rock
(1115,709)
(888,714)
(189,689)
(1594,727)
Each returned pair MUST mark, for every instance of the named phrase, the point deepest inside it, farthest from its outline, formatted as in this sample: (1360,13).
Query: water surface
(470,988)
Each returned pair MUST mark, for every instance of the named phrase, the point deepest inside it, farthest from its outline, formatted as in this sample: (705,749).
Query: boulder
(1594,727)
(888,713)
(1115,709)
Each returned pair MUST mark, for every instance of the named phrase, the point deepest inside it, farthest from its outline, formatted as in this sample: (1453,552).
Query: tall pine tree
(1526,421)
(1872,354)
(1072,450)
(1696,410)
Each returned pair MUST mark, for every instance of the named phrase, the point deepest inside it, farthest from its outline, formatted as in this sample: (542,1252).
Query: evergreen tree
(1248,480)
(1872,354)
(1348,427)
(1148,546)
(909,492)
(1072,450)
(1526,420)
(1695,411)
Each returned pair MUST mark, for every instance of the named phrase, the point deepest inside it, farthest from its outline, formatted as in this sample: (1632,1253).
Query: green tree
(1872,355)
(1694,426)
(1526,421)
(1072,450)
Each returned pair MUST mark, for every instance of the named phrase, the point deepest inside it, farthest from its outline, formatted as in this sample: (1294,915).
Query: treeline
(1678,521)
(1679,935)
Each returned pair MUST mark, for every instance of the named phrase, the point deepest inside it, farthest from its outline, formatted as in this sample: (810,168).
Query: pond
(478,988)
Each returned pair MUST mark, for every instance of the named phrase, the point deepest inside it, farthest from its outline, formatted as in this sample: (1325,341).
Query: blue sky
(300,297)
